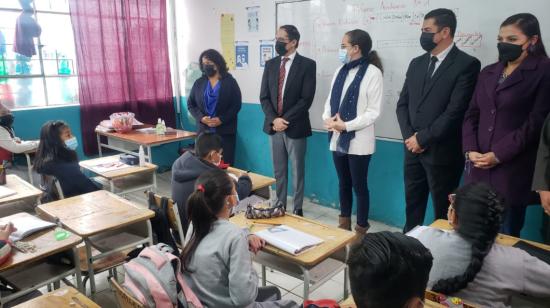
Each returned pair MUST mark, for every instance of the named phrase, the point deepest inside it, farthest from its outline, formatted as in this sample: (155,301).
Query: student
(541,179)
(9,143)
(215,100)
(287,91)
(188,167)
(430,110)
(502,125)
(56,156)
(351,109)
(5,246)
(468,263)
(389,270)
(217,263)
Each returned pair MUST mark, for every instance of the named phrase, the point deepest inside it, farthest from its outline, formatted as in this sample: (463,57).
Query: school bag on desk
(321,303)
(154,278)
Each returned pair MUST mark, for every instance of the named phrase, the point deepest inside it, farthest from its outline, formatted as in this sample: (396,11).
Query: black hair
(203,206)
(207,142)
(52,147)
(292,33)
(479,217)
(387,269)
(363,40)
(443,18)
(216,57)
(529,25)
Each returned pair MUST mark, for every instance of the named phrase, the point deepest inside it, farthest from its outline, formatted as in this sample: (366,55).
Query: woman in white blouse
(350,112)
(9,143)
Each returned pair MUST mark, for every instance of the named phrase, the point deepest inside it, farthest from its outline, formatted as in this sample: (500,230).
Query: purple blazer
(507,119)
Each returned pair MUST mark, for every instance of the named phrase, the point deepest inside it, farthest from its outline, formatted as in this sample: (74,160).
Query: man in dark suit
(430,110)
(541,180)
(288,88)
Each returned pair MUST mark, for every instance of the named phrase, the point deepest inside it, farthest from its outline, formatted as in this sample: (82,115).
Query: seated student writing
(56,156)
(188,167)
(389,270)
(9,143)
(217,264)
(5,246)
(468,263)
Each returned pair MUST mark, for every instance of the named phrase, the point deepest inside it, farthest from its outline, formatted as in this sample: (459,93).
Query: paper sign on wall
(228,39)
(266,51)
(241,52)
(253,18)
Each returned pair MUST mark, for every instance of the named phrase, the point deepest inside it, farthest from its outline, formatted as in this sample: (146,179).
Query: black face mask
(7,120)
(427,41)
(280,48)
(508,52)
(209,70)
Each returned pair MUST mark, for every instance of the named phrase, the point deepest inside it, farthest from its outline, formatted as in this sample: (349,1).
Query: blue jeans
(352,174)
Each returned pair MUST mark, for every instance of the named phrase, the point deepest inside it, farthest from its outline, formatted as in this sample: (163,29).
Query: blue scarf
(348,108)
(211,99)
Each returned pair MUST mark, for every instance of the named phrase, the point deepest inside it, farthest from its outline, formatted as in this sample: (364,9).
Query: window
(48,78)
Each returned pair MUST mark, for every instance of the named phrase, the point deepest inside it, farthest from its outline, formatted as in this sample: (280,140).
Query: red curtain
(122,61)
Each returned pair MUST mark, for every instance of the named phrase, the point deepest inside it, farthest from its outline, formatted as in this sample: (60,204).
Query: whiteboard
(394,27)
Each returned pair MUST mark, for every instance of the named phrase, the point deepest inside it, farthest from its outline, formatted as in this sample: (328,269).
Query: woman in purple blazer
(503,122)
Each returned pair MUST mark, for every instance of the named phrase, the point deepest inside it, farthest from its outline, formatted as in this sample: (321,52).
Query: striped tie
(282,73)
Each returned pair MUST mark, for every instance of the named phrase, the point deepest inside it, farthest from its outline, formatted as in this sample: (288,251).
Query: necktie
(431,69)
(282,73)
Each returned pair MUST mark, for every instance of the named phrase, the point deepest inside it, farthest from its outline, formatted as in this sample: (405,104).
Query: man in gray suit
(541,179)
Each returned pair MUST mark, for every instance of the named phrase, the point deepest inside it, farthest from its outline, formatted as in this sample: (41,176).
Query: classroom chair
(51,187)
(123,298)
(173,216)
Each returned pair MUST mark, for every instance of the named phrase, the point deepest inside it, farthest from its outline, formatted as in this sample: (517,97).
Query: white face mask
(233,207)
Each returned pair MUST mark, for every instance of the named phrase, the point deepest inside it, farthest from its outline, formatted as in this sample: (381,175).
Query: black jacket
(297,98)
(436,114)
(73,182)
(541,180)
(185,171)
(229,104)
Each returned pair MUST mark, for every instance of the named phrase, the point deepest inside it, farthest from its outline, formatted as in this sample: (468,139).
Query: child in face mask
(56,156)
(9,143)
(188,167)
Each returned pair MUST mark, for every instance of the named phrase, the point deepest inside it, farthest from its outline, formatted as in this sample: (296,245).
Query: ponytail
(203,207)
(479,211)
(374,59)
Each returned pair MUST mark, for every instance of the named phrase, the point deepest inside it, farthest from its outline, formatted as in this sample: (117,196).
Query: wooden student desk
(314,266)
(141,137)
(261,184)
(63,297)
(502,239)
(23,188)
(123,181)
(26,272)
(106,221)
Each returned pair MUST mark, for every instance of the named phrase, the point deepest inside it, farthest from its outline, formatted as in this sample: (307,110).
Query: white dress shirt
(441,56)
(287,68)
(15,145)
(369,105)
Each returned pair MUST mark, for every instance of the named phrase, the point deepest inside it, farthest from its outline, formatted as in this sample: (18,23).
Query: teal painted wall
(253,153)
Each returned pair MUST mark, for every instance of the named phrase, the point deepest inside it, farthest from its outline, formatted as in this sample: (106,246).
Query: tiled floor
(290,287)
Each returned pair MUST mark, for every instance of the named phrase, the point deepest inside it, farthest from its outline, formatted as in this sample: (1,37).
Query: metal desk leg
(150,232)
(154,181)
(112,184)
(346,274)
(264,282)
(76,260)
(99,145)
(90,261)
(149,154)
(29,168)
(305,271)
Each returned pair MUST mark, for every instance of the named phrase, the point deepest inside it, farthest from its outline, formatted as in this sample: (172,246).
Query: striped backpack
(154,278)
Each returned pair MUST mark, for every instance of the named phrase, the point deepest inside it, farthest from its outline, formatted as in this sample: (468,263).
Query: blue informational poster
(266,51)
(241,55)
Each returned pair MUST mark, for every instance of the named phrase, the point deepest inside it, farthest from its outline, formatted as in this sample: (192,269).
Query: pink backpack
(154,278)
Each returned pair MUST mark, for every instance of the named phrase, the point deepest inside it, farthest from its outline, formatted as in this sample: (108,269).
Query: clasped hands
(335,124)
(280,124)
(211,122)
(412,144)
(483,161)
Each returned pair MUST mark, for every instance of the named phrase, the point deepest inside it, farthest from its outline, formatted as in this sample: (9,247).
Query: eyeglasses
(282,40)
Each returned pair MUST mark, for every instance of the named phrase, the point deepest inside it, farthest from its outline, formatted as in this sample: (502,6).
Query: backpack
(160,223)
(154,278)
(322,303)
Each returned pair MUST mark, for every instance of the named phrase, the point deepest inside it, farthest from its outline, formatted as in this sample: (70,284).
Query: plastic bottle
(158,128)
(163,127)
(141,156)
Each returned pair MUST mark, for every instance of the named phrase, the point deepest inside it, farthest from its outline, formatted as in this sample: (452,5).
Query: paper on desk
(28,225)
(289,239)
(110,166)
(6,192)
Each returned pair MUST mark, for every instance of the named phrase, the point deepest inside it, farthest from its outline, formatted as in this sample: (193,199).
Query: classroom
(274,153)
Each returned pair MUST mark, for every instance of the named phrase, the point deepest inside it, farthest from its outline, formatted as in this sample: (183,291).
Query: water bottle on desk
(141,156)
(158,128)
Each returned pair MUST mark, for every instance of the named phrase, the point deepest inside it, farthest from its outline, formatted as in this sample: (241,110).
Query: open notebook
(289,239)
(28,225)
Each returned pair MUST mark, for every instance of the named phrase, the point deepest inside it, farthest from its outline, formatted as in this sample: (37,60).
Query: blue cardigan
(229,104)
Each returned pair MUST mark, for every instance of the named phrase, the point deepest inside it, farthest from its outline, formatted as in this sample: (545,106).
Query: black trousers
(422,179)
(228,145)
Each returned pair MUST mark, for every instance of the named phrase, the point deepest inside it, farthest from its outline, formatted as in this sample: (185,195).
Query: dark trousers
(514,217)
(352,173)
(228,145)
(422,179)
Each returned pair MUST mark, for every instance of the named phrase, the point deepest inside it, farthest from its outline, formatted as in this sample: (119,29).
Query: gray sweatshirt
(506,270)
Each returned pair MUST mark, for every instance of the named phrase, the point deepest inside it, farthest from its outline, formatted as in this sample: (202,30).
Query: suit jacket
(541,179)
(507,119)
(297,99)
(229,104)
(436,113)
